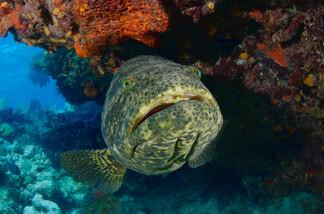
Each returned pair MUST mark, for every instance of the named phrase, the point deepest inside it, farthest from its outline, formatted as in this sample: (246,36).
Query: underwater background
(18,87)
(269,156)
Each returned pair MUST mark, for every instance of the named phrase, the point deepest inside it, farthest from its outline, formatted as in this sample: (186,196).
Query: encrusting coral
(86,25)
(110,22)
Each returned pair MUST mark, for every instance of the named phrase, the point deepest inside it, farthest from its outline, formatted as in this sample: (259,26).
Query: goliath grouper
(157,116)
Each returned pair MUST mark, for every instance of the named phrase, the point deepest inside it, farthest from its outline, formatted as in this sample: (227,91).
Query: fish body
(157,117)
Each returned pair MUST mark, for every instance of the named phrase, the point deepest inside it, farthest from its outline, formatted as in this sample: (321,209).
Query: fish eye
(196,71)
(126,83)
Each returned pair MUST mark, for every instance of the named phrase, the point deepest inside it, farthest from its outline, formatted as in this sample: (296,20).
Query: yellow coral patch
(4,5)
(56,11)
(69,34)
(47,31)
(244,56)
(101,71)
(310,80)
(297,98)
(211,5)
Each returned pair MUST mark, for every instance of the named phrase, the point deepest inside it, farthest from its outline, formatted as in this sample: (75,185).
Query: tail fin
(95,167)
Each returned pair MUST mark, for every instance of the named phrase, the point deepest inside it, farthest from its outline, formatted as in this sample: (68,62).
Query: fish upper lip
(164,104)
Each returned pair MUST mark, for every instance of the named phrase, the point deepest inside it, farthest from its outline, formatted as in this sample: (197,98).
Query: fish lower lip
(162,106)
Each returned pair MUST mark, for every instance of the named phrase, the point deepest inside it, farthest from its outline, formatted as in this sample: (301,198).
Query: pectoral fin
(95,167)
(200,158)
(206,154)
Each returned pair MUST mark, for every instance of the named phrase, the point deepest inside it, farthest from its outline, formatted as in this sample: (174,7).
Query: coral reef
(285,62)
(38,75)
(87,26)
(196,8)
(29,175)
(76,78)
(42,206)
(44,23)
(85,117)
(29,172)
(6,130)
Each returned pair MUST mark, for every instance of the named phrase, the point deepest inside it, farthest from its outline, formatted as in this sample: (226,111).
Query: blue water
(16,89)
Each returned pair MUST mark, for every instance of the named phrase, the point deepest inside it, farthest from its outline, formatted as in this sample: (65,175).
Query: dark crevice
(175,151)
(192,149)
(46,16)
(295,39)
(134,150)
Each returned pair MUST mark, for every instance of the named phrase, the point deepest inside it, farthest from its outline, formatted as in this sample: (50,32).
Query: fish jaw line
(167,100)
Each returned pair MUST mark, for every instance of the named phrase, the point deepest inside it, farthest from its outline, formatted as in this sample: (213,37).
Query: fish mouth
(167,103)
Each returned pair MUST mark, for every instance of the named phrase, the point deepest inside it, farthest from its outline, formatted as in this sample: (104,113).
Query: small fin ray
(208,153)
(205,156)
(95,167)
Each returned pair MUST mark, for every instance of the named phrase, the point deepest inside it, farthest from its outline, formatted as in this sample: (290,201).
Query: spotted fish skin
(158,116)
